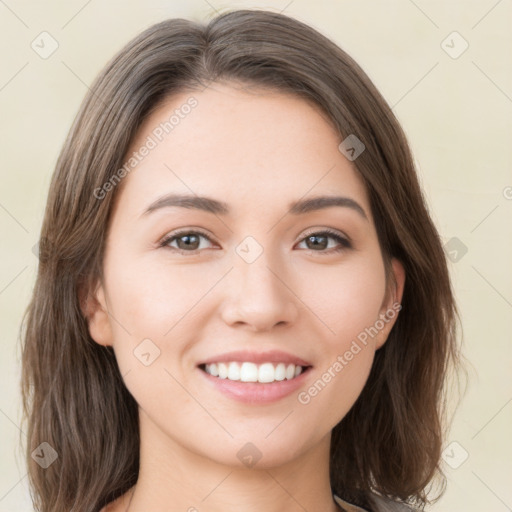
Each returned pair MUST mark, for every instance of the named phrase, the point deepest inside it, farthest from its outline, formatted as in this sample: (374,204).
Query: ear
(392,302)
(94,307)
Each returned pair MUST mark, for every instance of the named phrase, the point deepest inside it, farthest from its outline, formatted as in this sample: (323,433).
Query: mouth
(255,377)
(246,371)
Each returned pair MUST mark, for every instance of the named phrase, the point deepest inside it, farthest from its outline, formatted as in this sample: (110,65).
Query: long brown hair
(73,394)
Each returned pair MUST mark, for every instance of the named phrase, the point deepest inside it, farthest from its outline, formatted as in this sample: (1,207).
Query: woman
(242,302)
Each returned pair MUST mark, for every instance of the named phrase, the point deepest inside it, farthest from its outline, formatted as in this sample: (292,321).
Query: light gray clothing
(380,504)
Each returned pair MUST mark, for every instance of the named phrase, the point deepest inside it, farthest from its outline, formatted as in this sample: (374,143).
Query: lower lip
(256,392)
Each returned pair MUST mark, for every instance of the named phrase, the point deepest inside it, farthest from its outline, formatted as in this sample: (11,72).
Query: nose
(258,296)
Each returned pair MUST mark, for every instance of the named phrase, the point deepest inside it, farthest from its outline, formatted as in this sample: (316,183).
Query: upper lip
(272,356)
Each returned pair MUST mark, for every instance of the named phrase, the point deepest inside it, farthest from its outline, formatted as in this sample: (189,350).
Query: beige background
(456,112)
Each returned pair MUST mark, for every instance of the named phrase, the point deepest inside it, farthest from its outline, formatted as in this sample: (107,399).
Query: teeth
(266,372)
(251,372)
(233,371)
(223,370)
(214,370)
(280,373)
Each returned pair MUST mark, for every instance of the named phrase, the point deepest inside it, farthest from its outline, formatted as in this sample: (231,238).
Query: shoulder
(379,504)
(346,506)
(386,505)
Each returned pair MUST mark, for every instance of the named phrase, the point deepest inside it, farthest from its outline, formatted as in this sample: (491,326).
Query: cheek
(347,299)
(337,386)
(152,310)
(150,298)
(348,302)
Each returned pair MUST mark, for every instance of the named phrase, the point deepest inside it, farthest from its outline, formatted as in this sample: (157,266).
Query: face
(284,294)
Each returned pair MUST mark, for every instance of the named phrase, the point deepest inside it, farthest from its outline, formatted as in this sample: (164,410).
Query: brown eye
(319,242)
(185,241)
(188,242)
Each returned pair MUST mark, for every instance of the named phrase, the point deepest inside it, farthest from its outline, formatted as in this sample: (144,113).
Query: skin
(257,151)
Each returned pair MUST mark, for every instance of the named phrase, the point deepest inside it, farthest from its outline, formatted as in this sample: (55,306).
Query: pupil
(316,244)
(189,240)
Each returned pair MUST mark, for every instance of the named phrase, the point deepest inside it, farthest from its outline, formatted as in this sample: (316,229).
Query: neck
(170,474)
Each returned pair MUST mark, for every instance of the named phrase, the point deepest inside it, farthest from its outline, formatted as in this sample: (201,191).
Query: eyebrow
(216,207)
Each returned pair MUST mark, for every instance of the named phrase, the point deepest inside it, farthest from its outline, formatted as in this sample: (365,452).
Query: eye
(319,241)
(185,241)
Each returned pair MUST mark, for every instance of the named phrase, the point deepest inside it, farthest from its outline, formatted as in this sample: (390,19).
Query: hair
(74,398)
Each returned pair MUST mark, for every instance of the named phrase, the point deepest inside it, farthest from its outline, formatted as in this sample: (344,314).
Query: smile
(252,372)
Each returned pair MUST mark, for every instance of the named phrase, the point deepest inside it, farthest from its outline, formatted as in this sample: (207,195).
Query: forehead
(249,147)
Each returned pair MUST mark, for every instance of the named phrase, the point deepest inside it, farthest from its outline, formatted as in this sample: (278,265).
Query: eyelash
(344,243)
